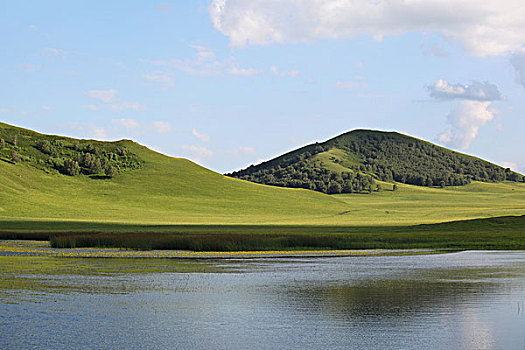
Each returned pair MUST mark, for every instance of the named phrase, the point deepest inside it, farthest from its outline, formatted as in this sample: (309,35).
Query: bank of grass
(171,191)
(172,203)
(492,233)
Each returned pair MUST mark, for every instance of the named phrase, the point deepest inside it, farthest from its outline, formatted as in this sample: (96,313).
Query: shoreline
(42,248)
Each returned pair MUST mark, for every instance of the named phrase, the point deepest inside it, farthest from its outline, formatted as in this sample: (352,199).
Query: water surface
(468,300)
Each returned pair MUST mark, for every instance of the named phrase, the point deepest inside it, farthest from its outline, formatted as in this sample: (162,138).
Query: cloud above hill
(487,27)
(475,91)
(471,112)
(518,62)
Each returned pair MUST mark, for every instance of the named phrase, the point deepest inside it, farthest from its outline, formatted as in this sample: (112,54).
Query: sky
(229,83)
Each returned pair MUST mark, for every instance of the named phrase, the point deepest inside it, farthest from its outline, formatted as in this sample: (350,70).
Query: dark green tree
(95,166)
(334,187)
(70,167)
(15,157)
(45,146)
(110,171)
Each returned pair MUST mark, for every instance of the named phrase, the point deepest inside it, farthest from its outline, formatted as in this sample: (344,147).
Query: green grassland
(171,196)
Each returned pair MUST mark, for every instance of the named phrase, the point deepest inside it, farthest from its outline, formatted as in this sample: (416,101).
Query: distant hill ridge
(66,155)
(360,160)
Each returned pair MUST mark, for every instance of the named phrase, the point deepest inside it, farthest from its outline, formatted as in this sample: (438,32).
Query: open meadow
(172,203)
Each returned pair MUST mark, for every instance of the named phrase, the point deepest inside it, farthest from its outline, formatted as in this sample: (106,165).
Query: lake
(466,300)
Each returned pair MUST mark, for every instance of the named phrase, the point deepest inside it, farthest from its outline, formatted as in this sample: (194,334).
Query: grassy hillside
(161,190)
(366,160)
(165,190)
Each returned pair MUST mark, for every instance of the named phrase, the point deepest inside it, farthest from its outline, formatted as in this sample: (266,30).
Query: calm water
(469,300)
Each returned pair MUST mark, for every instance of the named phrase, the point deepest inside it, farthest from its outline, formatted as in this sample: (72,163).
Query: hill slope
(354,161)
(153,189)
(149,187)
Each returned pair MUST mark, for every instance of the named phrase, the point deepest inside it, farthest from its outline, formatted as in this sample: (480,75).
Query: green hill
(149,187)
(366,160)
(152,200)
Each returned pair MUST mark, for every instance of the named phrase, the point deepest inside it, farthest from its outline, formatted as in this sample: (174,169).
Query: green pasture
(173,197)
(176,191)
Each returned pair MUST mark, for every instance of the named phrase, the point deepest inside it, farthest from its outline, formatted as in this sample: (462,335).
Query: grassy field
(494,233)
(176,191)
(175,196)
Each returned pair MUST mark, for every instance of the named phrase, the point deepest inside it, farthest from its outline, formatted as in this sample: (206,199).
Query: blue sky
(230,83)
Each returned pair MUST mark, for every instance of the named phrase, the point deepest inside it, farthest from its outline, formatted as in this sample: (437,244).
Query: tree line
(69,157)
(374,155)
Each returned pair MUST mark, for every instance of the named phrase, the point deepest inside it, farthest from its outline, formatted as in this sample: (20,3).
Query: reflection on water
(469,300)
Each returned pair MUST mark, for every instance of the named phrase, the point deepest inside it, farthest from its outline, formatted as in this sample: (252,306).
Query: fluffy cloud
(105,96)
(162,127)
(53,51)
(470,113)
(197,153)
(490,27)
(518,62)
(513,166)
(357,82)
(293,73)
(247,150)
(476,91)
(202,137)
(160,77)
(110,100)
(206,64)
(126,123)
(88,130)
(245,72)
(465,121)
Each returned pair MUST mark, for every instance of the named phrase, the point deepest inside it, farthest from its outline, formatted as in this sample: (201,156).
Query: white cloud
(202,137)
(110,100)
(165,78)
(489,27)
(206,64)
(197,153)
(48,108)
(476,91)
(53,51)
(88,130)
(465,121)
(105,96)
(99,132)
(243,71)
(239,151)
(470,113)
(32,27)
(518,62)
(355,83)
(126,123)
(4,110)
(162,127)
(513,166)
(247,150)
(293,73)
